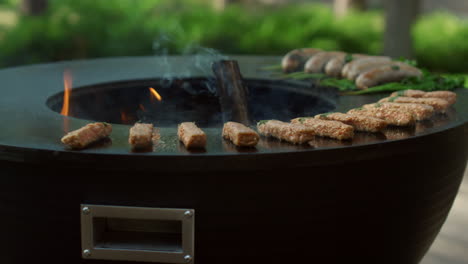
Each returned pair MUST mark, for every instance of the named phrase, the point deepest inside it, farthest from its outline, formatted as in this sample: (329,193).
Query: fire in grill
(188,99)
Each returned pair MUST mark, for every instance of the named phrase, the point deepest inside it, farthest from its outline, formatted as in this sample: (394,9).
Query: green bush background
(74,29)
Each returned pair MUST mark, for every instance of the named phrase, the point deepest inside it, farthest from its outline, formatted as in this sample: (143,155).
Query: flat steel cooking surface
(30,126)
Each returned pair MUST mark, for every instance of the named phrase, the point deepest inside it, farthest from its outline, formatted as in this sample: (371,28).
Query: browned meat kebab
(240,134)
(292,133)
(191,135)
(359,122)
(142,136)
(396,117)
(83,137)
(439,105)
(419,111)
(449,96)
(326,128)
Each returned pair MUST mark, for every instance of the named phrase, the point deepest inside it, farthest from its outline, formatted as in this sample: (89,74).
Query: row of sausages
(403,108)
(365,70)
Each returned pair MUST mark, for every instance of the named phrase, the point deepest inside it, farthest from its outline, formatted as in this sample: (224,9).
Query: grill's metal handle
(137,233)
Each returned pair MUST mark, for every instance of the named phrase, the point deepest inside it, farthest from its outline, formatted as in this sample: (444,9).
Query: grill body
(373,203)
(370,201)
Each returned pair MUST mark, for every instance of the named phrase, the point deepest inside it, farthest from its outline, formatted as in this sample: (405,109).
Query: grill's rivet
(188,258)
(87,253)
(86,210)
(188,214)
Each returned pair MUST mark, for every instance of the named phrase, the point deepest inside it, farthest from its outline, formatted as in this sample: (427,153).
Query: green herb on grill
(343,85)
(326,114)
(271,67)
(413,63)
(262,122)
(348,58)
(303,119)
(429,82)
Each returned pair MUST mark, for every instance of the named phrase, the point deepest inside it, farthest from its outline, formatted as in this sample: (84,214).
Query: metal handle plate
(137,233)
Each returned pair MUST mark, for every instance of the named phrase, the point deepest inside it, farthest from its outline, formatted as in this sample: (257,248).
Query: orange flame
(124,117)
(67,81)
(155,94)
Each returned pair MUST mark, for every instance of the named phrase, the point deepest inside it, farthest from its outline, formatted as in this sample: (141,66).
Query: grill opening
(188,99)
(137,234)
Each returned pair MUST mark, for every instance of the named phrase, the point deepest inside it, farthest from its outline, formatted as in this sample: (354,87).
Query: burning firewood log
(232,91)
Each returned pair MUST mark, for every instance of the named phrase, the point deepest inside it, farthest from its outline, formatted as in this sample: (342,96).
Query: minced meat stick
(292,133)
(449,96)
(439,105)
(419,111)
(359,122)
(191,135)
(240,134)
(83,137)
(326,128)
(396,117)
(397,133)
(141,136)
(409,93)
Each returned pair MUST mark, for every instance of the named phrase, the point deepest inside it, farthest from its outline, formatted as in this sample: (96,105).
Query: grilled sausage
(336,64)
(295,59)
(354,68)
(316,64)
(393,72)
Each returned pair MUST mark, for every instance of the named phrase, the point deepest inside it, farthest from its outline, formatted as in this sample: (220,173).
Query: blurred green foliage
(441,42)
(74,29)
